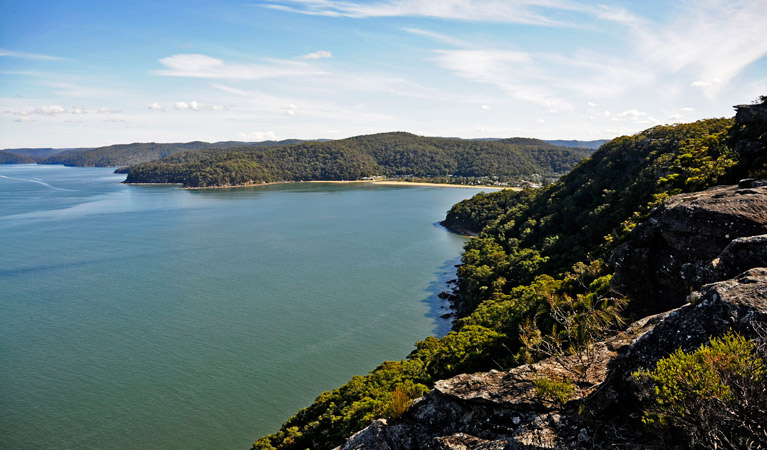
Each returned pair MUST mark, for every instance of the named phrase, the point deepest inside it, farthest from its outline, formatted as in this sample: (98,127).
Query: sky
(92,73)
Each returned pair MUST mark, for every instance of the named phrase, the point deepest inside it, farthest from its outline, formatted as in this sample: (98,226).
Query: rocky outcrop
(749,135)
(502,410)
(738,304)
(750,114)
(690,240)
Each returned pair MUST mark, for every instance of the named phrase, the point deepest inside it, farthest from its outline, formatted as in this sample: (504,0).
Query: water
(137,317)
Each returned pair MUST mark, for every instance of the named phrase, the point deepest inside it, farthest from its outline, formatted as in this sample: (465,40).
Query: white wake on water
(38,182)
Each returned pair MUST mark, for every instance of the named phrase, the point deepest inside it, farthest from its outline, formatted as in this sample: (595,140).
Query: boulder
(685,243)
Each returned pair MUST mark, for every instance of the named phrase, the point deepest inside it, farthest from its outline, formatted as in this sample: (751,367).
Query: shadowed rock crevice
(690,240)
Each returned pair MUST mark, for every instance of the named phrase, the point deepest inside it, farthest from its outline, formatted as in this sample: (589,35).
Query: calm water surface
(138,317)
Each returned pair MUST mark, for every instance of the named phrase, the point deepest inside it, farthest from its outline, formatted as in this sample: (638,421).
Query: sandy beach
(381,182)
(405,183)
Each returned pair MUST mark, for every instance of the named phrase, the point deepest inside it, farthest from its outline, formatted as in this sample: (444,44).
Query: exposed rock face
(501,410)
(747,114)
(750,131)
(690,240)
(737,304)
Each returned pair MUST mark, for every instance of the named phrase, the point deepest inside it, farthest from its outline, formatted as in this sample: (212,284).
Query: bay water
(138,317)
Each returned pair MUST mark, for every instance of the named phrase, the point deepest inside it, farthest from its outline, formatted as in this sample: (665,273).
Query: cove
(155,317)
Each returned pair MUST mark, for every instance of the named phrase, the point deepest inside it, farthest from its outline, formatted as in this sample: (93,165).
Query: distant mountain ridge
(41,152)
(595,144)
(135,153)
(14,158)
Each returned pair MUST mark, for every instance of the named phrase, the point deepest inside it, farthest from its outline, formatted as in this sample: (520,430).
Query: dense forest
(130,154)
(536,254)
(13,158)
(386,154)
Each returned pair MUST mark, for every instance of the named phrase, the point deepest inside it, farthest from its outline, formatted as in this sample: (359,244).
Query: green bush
(555,391)
(715,395)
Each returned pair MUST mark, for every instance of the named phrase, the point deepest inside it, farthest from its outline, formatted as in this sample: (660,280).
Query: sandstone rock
(749,134)
(747,114)
(675,251)
(738,304)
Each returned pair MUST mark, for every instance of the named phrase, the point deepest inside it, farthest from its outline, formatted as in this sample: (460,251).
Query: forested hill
(130,154)
(13,158)
(396,154)
(540,255)
(579,144)
(41,153)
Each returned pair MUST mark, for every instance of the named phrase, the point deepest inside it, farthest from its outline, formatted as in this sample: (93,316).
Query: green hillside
(386,154)
(13,158)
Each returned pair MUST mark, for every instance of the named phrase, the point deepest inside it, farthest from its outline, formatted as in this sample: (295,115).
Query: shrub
(555,391)
(577,324)
(714,395)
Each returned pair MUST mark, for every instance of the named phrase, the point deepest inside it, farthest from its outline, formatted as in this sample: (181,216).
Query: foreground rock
(502,410)
(691,240)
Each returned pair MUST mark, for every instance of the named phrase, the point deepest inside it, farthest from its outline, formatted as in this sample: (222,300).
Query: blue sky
(90,73)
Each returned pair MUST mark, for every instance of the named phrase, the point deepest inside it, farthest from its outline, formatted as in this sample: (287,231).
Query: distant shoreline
(378,182)
(419,183)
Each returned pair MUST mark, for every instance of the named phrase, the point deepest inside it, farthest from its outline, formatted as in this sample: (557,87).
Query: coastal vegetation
(539,260)
(713,396)
(393,155)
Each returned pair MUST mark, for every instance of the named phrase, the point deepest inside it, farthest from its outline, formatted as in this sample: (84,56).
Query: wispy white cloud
(438,37)
(519,11)
(320,54)
(258,135)
(44,110)
(633,113)
(196,106)
(24,55)
(610,13)
(203,66)
(508,70)
(705,83)
(156,107)
(713,39)
(82,88)
(231,90)
(534,78)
